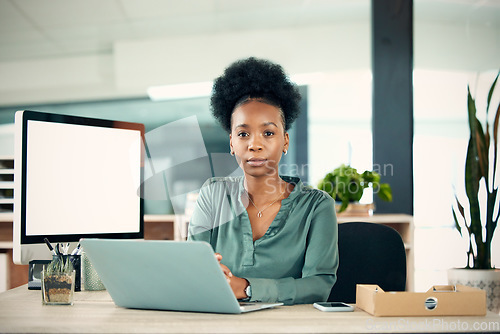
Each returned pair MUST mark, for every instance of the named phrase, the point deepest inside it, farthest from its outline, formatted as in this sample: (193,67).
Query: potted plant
(58,281)
(346,186)
(477,220)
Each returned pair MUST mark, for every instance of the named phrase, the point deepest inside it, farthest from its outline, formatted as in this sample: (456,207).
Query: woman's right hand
(224,268)
(237,284)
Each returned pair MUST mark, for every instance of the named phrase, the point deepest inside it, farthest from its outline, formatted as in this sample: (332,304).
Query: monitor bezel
(30,115)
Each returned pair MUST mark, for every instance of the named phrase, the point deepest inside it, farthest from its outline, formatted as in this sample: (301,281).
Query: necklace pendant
(259,214)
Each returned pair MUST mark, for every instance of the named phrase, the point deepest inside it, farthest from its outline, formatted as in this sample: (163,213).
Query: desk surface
(21,310)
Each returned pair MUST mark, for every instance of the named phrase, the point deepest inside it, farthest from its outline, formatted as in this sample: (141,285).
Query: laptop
(164,275)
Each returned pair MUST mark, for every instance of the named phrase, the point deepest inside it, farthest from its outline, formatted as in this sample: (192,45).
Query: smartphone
(333,307)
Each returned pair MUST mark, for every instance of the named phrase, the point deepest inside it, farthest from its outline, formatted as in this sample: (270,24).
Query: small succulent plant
(59,265)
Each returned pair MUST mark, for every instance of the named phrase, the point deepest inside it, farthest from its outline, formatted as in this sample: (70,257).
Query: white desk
(21,310)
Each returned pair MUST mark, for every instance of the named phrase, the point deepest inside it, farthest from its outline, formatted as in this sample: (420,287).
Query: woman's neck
(265,189)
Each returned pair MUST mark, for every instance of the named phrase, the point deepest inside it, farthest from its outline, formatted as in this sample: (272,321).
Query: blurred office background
(98,58)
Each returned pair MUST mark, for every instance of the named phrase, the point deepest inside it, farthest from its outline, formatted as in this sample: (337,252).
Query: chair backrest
(369,253)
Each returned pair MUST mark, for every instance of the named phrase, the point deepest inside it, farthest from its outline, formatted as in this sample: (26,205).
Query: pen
(76,250)
(59,254)
(50,246)
(65,248)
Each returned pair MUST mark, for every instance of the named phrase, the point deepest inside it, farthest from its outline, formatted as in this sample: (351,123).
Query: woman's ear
(287,142)
(231,145)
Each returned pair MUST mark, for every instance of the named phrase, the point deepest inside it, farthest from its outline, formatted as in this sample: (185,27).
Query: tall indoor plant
(477,227)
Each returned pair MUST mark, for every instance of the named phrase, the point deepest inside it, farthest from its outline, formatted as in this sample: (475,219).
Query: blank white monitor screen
(79,177)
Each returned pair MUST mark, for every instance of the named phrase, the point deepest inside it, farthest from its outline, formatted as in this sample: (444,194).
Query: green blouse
(297,258)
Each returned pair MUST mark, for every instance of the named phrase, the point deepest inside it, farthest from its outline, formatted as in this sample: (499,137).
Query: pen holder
(91,280)
(76,260)
(58,289)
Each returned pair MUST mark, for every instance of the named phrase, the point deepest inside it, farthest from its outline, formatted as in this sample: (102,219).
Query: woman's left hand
(237,284)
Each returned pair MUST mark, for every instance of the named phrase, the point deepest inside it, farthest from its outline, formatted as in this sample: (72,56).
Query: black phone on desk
(333,307)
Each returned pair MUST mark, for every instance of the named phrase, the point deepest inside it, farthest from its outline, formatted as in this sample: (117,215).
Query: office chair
(369,253)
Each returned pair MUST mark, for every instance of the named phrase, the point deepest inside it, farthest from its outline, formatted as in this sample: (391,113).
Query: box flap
(442,288)
(365,296)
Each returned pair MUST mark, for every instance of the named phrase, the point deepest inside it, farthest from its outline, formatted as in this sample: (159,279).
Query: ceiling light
(180,91)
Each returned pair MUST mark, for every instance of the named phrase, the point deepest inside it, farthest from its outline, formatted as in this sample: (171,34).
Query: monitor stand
(35,268)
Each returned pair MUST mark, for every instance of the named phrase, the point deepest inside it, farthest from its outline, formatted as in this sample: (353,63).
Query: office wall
(134,65)
(474,46)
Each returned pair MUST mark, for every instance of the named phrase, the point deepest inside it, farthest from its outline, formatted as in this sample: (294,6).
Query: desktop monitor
(75,177)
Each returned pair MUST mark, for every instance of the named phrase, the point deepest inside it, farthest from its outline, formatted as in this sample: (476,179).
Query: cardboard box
(438,301)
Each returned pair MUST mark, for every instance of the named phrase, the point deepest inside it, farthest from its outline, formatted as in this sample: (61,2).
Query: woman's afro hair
(254,78)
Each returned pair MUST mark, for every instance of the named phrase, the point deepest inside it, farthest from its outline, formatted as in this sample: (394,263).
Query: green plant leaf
(492,222)
(344,206)
(490,94)
(483,144)
(495,143)
(369,176)
(472,178)
(460,207)
(472,172)
(385,192)
(457,225)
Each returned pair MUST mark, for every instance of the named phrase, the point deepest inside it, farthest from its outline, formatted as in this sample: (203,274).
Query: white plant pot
(356,209)
(488,280)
